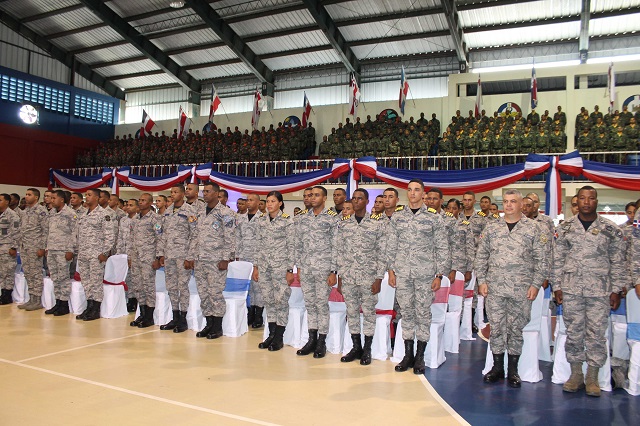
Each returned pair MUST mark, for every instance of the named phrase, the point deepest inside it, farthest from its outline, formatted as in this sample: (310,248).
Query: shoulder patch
(496,216)
(331,213)
(375,216)
(481,214)
(399,208)
(107,218)
(432,210)
(448,214)
(192,219)
(286,216)
(262,214)
(347,217)
(305,211)
(465,222)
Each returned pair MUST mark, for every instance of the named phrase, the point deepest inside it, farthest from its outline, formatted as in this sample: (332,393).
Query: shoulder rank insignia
(432,210)
(481,214)
(496,216)
(331,213)
(465,222)
(375,216)
(286,216)
(399,208)
(192,219)
(347,217)
(305,211)
(448,214)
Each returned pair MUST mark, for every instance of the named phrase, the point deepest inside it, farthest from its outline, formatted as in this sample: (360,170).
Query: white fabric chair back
(440,300)
(115,270)
(386,295)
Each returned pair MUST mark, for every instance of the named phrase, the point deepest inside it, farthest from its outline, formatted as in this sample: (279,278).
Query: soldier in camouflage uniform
(143,257)
(418,257)
(213,246)
(586,141)
(9,242)
(315,237)
(34,228)
(60,249)
(247,248)
(508,246)
(588,268)
(93,238)
(360,254)
(274,267)
(178,223)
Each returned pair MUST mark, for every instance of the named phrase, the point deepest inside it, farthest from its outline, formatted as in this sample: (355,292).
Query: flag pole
(412,100)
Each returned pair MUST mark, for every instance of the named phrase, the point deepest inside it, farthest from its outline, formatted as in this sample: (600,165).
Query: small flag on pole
(306,111)
(257,107)
(611,87)
(147,123)
(478,99)
(404,90)
(534,89)
(354,96)
(182,123)
(215,103)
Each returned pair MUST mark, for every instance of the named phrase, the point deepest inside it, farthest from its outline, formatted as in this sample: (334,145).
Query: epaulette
(496,216)
(465,222)
(375,216)
(347,217)
(286,216)
(432,210)
(448,214)
(331,213)
(481,214)
(399,208)
(262,214)
(305,211)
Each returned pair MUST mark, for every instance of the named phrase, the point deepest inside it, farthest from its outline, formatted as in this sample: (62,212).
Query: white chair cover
(467,310)
(114,300)
(77,299)
(20,292)
(544,337)
(48,296)
(479,318)
(452,320)
(195,320)
(296,334)
(633,337)
(162,314)
(234,322)
(618,337)
(528,366)
(337,322)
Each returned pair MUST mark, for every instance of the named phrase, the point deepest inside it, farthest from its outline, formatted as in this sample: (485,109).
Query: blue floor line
(459,382)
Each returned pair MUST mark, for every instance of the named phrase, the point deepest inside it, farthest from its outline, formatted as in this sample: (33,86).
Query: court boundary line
(442,402)
(140,394)
(115,339)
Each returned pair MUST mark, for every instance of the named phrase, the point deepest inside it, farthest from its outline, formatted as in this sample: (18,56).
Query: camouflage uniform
(634,253)
(213,241)
(360,255)
(61,226)
(124,231)
(417,250)
(464,250)
(247,249)
(93,237)
(177,231)
(9,238)
(275,238)
(315,237)
(588,266)
(115,223)
(510,262)
(146,232)
(34,228)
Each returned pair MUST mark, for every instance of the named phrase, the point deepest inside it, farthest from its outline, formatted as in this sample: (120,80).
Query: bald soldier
(511,264)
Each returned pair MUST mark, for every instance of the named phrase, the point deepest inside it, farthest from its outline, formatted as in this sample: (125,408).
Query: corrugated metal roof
(110,54)
(404,47)
(64,21)
(21,9)
(268,23)
(357,9)
(604,5)
(229,8)
(128,68)
(615,25)
(303,60)
(549,32)
(174,14)
(204,56)
(96,37)
(187,39)
(295,41)
(150,80)
(526,11)
(221,71)
(394,28)
(126,8)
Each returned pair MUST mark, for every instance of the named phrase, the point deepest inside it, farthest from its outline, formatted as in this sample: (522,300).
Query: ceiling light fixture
(176,4)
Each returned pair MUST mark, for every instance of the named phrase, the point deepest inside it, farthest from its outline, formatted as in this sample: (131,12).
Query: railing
(281,168)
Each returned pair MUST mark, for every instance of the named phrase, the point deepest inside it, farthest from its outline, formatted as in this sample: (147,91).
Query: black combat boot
(497,371)
(216,330)
(136,322)
(6,298)
(408,360)
(251,313)
(132,304)
(207,328)
(513,378)
(182,324)
(418,363)
(321,346)
(366,351)
(53,309)
(63,309)
(310,346)
(355,352)
(147,321)
(94,313)
(277,342)
(258,321)
(269,339)
(86,310)
(173,323)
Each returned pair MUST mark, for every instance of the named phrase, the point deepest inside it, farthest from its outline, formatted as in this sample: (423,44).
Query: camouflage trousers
(414,297)
(586,319)
(7,271)
(357,294)
(256,294)
(275,292)
(316,298)
(32,266)
(508,316)
(177,281)
(211,282)
(91,272)
(59,272)
(143,280)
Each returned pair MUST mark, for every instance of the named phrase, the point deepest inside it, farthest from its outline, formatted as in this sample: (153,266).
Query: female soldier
(275,263)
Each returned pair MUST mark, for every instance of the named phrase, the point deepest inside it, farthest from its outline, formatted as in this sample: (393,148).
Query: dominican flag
(306,111)
(182,124)
(534,89)
(611,87)
(404,90)
(257,107)
(478,99)
(215,103)
(354,96)
(147,123)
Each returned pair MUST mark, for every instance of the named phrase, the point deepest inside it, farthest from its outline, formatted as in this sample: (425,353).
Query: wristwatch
(290,271)
(439,276)
(334,272)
